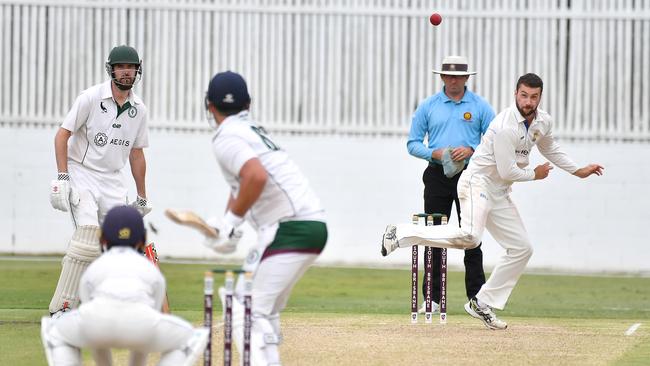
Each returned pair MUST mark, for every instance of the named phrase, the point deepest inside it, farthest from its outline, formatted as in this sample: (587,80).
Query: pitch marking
(632,329)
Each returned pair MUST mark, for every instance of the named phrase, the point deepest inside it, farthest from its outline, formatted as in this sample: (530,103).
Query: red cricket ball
(435,19)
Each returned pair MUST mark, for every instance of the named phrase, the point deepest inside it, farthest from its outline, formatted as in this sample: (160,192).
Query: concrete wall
(591,225)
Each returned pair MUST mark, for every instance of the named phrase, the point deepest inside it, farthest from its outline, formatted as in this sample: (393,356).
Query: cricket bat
(191,219)
(152,255)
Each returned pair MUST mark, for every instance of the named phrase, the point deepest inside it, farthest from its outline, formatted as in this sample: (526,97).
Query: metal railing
(334,66)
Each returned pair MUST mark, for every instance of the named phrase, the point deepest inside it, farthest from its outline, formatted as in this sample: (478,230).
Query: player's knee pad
(83,249)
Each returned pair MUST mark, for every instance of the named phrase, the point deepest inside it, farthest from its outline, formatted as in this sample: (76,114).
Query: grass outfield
(342,316)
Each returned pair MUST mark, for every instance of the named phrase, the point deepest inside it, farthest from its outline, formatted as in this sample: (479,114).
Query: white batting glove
(141,205)
(229,235)
(61,194)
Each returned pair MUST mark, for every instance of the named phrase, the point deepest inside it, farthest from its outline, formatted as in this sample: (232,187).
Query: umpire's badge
(101,139)
(467,116)
(132,112)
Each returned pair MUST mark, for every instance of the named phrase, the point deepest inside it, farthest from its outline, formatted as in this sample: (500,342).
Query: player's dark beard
(524,114)
(124,83)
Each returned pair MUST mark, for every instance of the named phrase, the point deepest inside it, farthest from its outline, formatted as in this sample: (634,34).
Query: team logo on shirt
(102,107)
(467,116)
(132,112)
(101,139)
(252,257)
(535,136)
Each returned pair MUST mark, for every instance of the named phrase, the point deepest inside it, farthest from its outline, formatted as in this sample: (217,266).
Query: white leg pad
(83,249)
(57,352)
(264,339)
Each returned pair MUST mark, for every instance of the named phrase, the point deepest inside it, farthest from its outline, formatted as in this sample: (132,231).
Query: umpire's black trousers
(439,194)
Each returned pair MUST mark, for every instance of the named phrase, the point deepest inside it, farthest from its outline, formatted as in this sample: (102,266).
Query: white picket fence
(334,66)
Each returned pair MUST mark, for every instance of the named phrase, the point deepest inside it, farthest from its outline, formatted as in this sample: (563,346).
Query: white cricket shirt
(287,195)
(123,274)
(502,156)
(101,140)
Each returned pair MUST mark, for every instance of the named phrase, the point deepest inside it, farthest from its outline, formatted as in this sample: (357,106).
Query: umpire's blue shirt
(448,123)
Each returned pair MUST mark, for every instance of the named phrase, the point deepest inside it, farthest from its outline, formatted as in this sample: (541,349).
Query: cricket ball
(435,19)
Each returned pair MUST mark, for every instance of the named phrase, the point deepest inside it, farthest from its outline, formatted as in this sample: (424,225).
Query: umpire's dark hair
(531,80)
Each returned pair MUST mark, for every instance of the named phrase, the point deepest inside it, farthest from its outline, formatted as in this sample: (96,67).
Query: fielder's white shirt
(502,156)
(100,139)
(123,274)
(287,195)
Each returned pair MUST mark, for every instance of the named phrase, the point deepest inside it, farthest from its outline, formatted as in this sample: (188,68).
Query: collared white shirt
(123,274)
(503,154)
(101,140)
(287,195)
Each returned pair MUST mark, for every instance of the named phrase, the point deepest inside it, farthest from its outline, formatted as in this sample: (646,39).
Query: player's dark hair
(231,111)
(531,80)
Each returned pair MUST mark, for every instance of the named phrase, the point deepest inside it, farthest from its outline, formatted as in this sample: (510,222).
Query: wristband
(233,219)
(63,176)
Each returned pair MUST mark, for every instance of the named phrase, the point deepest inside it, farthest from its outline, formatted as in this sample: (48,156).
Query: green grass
(26,288)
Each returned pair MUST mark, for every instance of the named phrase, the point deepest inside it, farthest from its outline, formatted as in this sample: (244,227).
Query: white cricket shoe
(196,345)
(434,307)
(485,314)
(389,242)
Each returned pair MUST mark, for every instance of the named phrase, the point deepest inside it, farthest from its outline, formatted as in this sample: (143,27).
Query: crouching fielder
(271,194)
(484,193)
(121,294)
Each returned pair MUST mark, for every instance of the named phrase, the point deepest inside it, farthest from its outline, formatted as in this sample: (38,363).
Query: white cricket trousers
(481,208)
(102,324)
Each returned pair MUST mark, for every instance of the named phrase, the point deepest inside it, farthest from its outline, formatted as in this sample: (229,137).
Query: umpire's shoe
(389,241)
(485,314)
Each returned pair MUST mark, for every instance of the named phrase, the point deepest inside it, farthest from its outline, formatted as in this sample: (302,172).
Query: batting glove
(228,233)
(61,194)
(141,205)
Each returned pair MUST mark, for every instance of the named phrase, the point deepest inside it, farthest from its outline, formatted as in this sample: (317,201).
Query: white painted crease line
(632,329)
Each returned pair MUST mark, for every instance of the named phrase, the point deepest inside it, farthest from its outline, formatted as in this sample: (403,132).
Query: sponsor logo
(120,142)
(132,112)
(101,139)
(482,195)
(467,116)
(103,108)
(116,125)
(521,152)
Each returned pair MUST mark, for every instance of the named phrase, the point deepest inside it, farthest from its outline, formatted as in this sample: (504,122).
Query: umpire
(453,121)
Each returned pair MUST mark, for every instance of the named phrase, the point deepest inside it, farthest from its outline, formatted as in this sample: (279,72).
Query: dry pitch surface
(335,339)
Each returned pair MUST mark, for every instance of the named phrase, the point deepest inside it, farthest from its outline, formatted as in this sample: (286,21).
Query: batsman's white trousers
(481,208)
(98,193)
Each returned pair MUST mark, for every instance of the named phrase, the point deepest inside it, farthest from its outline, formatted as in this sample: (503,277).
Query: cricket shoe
(196,345)
(434,308)
(389,242)
(485,314)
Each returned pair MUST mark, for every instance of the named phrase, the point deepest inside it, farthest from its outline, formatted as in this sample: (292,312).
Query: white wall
(588,225)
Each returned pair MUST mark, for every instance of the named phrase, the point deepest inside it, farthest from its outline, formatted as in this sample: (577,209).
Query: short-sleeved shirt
(123,274)
(287,195)
(448,123)
(104,133)
(503,155)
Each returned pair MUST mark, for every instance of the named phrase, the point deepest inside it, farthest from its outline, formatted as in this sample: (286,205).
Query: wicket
(229,285)
(428,220)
